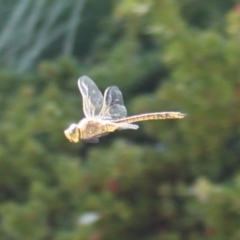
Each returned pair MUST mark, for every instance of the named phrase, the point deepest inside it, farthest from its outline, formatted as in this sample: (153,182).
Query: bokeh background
(171,179)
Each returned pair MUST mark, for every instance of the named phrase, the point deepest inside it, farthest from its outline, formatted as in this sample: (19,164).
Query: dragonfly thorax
(92,127)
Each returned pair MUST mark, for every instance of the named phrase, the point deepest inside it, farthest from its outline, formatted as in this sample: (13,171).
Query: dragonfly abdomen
(151,116)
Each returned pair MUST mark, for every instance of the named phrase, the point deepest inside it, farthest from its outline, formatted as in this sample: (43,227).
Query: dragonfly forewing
(91,96)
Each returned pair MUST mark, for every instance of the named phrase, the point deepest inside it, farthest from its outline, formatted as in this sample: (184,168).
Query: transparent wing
(91,96)
(113,104)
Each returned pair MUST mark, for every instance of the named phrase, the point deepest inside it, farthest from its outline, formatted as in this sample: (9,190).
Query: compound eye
(72,129)
(72,133)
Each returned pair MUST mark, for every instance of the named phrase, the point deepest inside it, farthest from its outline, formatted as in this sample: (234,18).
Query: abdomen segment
(151,116)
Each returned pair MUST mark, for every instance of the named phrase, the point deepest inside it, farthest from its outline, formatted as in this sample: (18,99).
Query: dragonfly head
(73,133)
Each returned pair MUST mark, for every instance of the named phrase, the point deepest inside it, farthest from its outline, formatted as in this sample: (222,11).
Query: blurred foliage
(170,180)
(32,30)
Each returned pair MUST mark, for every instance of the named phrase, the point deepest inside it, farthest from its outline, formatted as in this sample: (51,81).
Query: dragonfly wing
(123,126)
(91,96)
(113,104)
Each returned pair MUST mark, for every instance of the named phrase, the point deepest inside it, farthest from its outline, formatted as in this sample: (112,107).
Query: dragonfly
(106,113)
